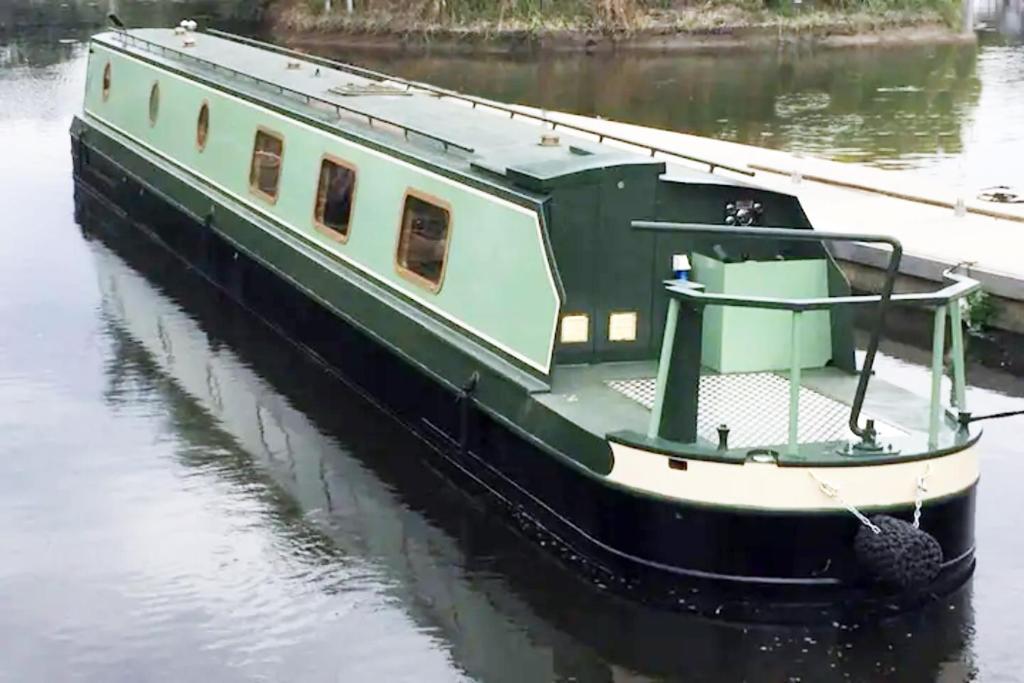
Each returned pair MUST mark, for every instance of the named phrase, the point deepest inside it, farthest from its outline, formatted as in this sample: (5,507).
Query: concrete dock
(936,234)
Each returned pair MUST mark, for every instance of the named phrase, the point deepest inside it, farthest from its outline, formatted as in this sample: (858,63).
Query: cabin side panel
(497,281)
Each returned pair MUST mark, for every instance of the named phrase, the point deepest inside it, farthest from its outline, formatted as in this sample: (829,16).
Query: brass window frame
(201,143)
(106,81)
(319,224)
(412,276)
(253,187)
(154,90)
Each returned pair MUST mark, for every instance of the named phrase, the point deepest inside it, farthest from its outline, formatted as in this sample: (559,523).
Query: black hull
(734,564)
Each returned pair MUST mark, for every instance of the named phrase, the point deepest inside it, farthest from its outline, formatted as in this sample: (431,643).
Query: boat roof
(459,132)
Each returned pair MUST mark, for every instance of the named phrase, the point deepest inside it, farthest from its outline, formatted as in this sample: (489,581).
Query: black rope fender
(899,555)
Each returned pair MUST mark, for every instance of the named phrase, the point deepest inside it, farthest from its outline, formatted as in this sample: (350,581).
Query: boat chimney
(185,29)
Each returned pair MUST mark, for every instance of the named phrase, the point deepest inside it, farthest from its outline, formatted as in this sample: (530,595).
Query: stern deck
(618,397)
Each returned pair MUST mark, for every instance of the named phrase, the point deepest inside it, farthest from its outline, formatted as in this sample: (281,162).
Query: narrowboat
(645,360)
(249,409)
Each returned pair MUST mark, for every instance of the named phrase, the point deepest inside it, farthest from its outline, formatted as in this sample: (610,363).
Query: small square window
(575,328)
(265,172)
(622,326)
(423,243)
(334,198)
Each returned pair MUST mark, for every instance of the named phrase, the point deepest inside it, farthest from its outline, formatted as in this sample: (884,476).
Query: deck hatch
(362,89)
(755,405)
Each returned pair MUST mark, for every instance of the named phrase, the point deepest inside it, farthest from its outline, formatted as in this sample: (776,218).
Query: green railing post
(794,383)
(956,334)
(668,340)
(938,345)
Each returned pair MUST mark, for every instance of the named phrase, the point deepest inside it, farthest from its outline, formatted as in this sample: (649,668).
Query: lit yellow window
(622,326)
(575,328)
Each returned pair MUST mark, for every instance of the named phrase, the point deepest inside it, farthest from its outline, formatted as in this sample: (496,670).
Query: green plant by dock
(980,311)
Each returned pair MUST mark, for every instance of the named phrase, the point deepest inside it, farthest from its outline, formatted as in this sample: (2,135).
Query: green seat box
(756,340)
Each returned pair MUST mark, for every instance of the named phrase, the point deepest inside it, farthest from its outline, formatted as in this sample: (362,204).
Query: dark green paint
(679,407)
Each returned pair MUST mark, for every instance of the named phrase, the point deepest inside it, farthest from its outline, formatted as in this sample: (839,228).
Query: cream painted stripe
(767,486)
(95,118)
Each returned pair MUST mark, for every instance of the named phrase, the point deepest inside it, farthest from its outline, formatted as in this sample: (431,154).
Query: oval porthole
(203,126)
(154,103)
(106,82)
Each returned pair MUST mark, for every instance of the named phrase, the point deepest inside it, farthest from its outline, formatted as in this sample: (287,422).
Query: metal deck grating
(756,408)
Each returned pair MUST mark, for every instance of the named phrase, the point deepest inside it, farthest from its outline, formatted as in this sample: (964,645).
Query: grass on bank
(552,16)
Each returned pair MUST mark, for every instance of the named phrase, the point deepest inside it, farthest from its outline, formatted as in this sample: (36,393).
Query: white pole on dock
(968,15)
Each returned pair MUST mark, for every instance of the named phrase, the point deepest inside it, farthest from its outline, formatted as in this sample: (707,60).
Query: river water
(950,112)
(185,495)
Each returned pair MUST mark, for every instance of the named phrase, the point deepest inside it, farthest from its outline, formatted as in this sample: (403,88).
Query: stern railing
(673,416)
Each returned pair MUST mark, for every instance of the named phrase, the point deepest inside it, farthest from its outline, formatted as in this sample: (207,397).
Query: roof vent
(549,140)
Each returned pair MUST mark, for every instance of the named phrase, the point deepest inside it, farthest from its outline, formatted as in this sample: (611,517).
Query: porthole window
(106,82)
(203,126)
(334,195)
(154,103)
(265,171)
(423,243)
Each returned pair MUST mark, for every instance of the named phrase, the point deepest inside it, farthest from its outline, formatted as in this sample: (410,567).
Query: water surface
(952,112)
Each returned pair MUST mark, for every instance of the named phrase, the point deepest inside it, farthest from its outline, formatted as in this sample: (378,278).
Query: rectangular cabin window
(334,198)
(423,243)
(265,172)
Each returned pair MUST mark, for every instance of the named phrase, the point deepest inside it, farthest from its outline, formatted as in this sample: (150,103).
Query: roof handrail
(127,38)
(445,92)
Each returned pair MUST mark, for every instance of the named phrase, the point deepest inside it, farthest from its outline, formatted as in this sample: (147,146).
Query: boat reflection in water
(345,482)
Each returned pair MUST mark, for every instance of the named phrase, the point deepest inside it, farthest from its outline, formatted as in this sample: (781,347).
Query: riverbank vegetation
(488,17)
